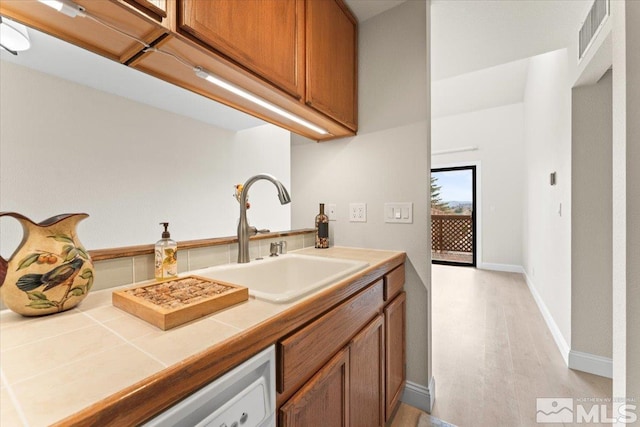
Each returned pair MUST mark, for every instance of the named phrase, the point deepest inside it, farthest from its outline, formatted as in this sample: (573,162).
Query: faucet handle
(274,249)
(253,231)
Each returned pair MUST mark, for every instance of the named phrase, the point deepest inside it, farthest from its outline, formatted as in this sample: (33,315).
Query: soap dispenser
(166,255)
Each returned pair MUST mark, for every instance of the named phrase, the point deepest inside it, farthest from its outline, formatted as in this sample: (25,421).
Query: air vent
(592,24)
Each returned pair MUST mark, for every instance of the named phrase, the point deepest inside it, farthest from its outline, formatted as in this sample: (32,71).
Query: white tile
(144,267)
(295,242)
(46,399)
(208,257)
(29,330)
(8,412)
(174,345)
(249,313)
(113,272)
(59,349)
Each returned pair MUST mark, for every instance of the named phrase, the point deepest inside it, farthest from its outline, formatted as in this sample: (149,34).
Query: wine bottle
(322,229)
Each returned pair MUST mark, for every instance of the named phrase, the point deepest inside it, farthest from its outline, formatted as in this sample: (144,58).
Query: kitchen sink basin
(286,277)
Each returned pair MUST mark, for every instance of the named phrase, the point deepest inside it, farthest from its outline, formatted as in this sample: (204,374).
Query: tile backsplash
(123,271)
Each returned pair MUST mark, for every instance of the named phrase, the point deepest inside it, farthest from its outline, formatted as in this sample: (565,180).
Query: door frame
(477,210)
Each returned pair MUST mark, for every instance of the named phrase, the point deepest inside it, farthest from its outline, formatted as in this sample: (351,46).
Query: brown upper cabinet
(306,48)
(157,9)
(332,37)
(297,55)
(88,33)
(264,36)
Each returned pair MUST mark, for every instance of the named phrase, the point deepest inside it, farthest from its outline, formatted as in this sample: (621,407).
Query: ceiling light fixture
(200,72)
(67,7)
(13,36)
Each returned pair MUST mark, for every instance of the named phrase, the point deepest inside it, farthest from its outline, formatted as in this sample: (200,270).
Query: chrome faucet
(244,229)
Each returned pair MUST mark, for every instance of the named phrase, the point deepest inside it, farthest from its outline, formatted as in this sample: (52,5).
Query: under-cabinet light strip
(66,7)
(72,10)
(200,72)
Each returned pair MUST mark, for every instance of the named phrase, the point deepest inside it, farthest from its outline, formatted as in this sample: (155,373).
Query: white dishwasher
(243,397)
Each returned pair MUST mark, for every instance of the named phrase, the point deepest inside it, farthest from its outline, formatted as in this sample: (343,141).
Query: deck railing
(451,233)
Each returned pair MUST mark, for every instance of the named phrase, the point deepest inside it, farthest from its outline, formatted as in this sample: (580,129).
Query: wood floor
(493,354)
(408,416)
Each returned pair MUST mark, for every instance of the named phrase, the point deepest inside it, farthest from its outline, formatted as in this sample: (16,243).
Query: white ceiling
(488,88)
(365,9)
(480,48)
(471,35)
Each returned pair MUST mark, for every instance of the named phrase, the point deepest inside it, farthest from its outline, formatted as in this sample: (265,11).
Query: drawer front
(304,352)
(393,283)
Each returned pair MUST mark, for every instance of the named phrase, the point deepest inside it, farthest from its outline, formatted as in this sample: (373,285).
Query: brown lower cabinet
(348,390)
(324,399)
(395,369)
(366,388)
(346,368)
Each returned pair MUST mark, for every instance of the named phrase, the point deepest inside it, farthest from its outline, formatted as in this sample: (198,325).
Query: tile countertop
(54,366)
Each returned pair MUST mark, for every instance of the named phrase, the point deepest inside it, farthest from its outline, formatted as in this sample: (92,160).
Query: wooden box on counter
(172,302)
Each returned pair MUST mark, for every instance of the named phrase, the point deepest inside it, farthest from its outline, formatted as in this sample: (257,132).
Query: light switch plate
(398,212)
(330,210)
(357,212)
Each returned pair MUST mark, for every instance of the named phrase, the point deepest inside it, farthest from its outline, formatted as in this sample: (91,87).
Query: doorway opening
(453,216)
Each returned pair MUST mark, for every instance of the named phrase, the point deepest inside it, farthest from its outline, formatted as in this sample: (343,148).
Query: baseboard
(586,362)
(551,324)
(510,268)
(597,365)
(419,396)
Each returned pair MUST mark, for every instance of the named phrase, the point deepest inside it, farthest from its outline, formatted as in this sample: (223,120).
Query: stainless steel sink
(286,277)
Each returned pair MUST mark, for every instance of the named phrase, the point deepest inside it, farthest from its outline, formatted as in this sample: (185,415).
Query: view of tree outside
(436,199)
(451,192)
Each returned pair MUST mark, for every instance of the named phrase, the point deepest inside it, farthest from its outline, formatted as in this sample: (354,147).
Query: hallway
(493,354)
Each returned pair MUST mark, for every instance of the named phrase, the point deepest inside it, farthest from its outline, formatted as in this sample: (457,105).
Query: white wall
(499,135)
(626,201)
(69,148)
(547,209)
(387,162)
(261,149)
(632,60)
(591,223)
(633,197)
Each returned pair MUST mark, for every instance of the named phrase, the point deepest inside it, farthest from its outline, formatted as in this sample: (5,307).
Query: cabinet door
(264,36)
(157,9)
(395,375)
(331,61)
(324,400)
(366,373)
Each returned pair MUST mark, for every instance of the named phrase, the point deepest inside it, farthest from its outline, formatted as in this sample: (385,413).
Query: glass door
(453,216)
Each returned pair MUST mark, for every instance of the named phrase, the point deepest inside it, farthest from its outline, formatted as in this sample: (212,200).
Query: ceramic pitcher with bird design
(50,271)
